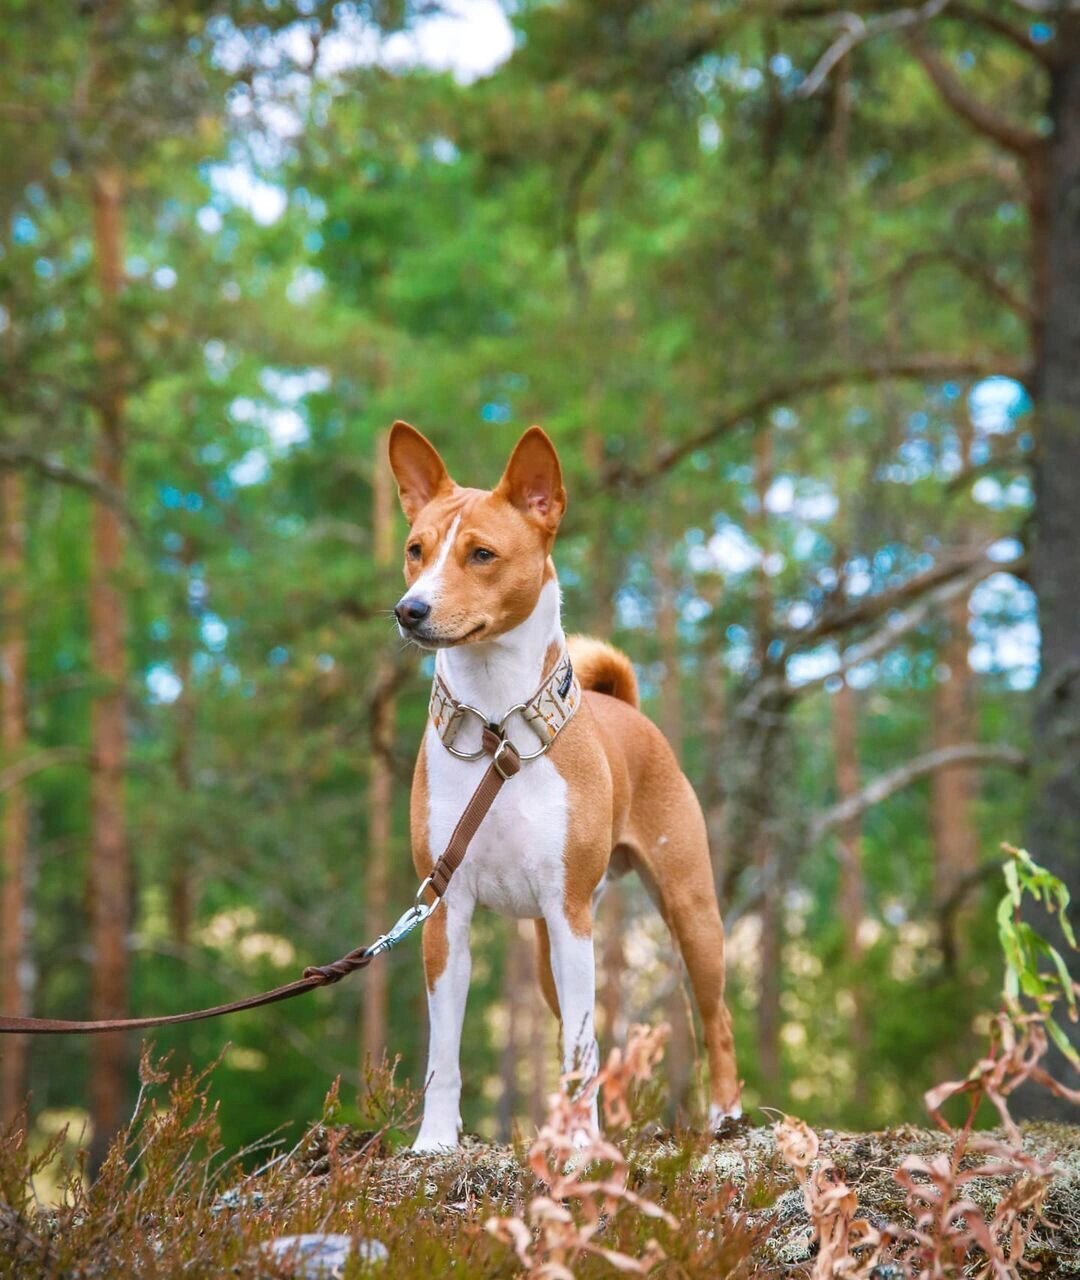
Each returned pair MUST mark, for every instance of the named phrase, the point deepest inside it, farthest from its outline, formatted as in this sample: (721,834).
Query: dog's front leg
(573,966)
(447,966)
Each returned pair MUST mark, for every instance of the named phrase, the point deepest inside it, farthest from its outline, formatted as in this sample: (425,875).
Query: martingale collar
(546,713)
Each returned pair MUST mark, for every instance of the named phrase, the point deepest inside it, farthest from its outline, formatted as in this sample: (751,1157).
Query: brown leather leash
(505,762)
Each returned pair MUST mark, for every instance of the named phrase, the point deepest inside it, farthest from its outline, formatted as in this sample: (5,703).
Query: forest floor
(346,1203)
(495,1179)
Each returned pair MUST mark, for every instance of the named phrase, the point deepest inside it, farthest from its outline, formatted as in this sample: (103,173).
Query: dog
(602,794)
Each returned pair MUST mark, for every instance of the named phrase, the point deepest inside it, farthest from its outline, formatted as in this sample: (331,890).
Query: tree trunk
(380,777)
(181,873)
(1055,826)
(766,846)
(677,1011)
(13,830)
(612,916)
(954,788)
(110,877)
(852,884)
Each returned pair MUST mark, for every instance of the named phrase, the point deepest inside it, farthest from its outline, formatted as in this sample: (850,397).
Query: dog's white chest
(515,863)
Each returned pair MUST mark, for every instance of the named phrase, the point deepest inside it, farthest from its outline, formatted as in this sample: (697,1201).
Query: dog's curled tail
(603,668)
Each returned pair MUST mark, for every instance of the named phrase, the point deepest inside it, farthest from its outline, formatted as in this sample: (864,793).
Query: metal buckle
(504,746)
(523,756)
(468,755)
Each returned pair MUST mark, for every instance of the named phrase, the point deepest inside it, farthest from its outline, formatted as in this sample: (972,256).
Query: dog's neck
(495,675)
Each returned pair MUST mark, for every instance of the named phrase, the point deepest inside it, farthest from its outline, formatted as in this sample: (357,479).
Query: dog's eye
(415,551)
(482,555)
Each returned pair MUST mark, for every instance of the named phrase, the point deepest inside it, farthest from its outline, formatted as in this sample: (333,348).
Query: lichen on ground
(481,1176)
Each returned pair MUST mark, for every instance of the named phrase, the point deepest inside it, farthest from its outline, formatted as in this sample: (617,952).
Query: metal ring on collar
(467,755)
(523,756)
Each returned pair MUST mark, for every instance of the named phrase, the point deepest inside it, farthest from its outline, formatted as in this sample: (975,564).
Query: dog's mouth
(426,640)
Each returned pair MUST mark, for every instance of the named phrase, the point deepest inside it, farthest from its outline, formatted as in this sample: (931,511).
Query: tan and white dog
(607,797)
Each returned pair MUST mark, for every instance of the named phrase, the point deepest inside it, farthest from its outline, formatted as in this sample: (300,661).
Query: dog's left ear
(532,480)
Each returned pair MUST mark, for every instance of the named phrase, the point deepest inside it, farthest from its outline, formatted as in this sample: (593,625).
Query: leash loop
(325,975)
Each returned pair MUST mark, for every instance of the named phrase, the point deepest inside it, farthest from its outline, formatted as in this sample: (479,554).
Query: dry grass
(170,1203)
(905,1204)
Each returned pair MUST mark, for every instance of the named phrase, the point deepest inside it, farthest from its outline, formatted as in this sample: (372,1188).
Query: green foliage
(1027,952)
(636,233)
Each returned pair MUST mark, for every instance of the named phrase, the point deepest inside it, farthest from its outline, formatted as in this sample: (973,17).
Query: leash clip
(406,923)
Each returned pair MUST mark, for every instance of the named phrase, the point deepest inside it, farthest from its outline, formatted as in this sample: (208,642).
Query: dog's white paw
(720,1116)
(436,1140)
(582,1139)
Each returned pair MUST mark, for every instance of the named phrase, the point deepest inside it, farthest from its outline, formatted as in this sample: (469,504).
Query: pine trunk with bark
(1055,826)
(766,850)
(380,778)
(110,873)
(852,880)
(612,917)
(181,869)
(14,818)
(954,787)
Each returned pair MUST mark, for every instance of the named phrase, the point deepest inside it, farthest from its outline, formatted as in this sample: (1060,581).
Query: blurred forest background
(787,281)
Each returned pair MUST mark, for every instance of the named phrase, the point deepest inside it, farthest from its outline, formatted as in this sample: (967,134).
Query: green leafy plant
(1027,952)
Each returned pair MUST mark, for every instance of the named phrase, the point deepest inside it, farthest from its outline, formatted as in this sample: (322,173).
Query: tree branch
(575,187)
(982,118)
(778,688)
(23,769)
(1004,455)
(871,607)
(902,624)
(1003,27)
(15,455)
(915,367)
(1047,8)
(977,271)
(858,31)
(994,165)
(888,784)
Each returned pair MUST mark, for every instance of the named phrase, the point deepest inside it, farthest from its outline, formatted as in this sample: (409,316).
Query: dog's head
(475,559)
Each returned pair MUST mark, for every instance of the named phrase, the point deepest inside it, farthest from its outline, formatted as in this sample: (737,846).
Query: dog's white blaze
(515,864)
(427,586)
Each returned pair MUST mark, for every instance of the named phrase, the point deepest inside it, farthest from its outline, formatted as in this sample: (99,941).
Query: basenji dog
(599,791)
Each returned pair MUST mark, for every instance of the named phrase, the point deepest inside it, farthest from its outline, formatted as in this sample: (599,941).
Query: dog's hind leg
(543,966)
(695,920)
(682,888)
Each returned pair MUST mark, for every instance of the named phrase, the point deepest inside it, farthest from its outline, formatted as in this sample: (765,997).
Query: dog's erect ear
(532,480)
(419,471)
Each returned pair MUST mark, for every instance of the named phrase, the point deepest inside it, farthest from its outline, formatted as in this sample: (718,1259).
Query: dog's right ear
(419,471)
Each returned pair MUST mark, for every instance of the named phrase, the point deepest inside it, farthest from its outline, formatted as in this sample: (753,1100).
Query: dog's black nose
(411,612)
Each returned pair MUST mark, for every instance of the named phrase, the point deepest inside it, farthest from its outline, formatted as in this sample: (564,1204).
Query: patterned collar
(546,713)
